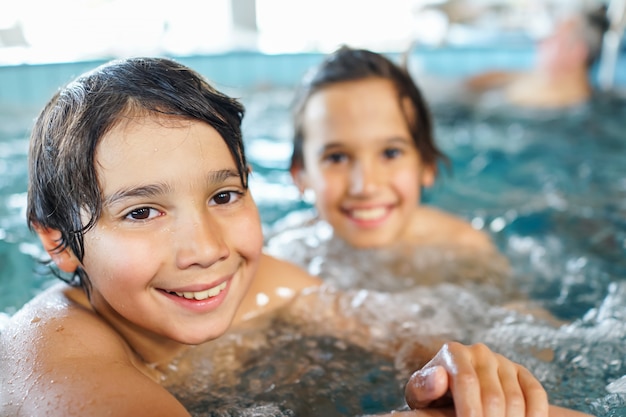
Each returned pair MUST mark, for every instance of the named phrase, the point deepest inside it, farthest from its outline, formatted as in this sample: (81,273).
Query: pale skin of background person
(560,75)
(173,259)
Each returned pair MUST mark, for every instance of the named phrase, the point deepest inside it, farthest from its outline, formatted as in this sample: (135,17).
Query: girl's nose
(200,242)
(365,178)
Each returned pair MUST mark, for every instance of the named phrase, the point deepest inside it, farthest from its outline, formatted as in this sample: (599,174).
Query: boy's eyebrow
(152,190)
(222,175)
(149,190)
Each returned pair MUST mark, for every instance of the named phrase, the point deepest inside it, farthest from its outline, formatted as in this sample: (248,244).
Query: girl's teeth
(202,295)
(368,214)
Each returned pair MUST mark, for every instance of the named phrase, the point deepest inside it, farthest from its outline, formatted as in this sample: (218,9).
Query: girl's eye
(391,153)
(143,213)
(226,197)
(335,158)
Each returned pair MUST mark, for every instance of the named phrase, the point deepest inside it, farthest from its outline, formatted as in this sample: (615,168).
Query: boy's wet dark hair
(63,185)
(348,64)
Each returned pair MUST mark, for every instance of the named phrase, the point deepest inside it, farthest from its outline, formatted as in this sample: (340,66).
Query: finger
(535,395)
(513,392)
(438,412)
(428,387)
(464,383)
(488,367)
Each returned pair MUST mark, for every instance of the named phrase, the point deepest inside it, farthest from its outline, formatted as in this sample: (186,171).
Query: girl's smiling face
(179,239)
(361,161)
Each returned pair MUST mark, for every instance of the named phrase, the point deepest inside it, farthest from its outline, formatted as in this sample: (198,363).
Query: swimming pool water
(550,187)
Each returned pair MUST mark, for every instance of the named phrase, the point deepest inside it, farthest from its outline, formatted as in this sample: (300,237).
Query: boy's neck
(150,353)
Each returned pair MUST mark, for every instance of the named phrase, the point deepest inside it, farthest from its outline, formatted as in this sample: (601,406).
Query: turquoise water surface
(550,188)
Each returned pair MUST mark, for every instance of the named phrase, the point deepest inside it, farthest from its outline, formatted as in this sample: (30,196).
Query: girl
(363,152)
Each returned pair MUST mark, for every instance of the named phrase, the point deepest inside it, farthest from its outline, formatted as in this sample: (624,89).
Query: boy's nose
(201,242)
(365,178)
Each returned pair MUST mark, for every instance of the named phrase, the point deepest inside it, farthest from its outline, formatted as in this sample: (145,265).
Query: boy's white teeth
(202,295)
(368,214)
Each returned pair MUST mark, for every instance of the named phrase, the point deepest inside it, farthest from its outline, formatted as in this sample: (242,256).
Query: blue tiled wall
(32,85)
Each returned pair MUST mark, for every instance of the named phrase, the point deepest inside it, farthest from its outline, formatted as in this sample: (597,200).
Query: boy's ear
(63,257)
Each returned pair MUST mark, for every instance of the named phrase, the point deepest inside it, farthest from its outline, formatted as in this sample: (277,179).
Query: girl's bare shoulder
(275,284)
(431,225)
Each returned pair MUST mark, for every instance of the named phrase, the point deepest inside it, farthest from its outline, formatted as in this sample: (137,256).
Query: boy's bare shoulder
(59,323)
(68,360)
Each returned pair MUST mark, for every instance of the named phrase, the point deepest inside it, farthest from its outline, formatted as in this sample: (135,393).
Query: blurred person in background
(561,74)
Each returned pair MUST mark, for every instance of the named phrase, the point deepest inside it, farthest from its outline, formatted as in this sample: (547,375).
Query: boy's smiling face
(179,239)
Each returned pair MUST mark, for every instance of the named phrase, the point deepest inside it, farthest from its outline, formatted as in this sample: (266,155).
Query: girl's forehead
(345,96)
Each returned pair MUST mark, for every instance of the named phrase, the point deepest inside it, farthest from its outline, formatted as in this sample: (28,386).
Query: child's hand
(479,382)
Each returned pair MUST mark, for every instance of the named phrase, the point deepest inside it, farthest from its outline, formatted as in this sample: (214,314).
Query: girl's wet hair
(63,185)
(348,64)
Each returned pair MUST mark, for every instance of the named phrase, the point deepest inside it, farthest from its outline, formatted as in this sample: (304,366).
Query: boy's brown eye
(140,214)
(222,198)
